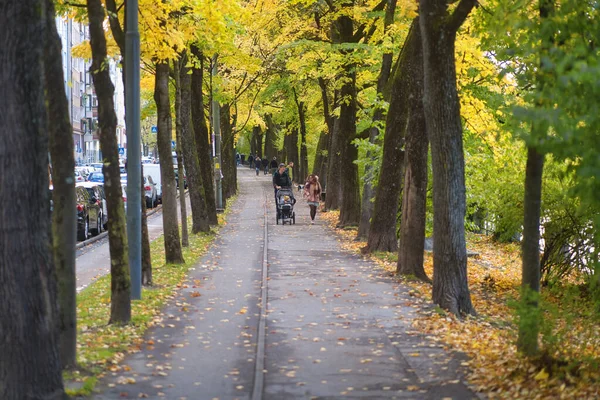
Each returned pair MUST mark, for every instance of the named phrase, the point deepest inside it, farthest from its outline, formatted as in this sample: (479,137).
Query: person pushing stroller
(281,179)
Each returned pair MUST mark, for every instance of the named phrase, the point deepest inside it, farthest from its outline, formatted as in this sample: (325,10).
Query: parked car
(88,213)
(97,166)
(97,190)
(154,171)
(96,177)
(185,185)
(147,160)
(151,192)
(79,176)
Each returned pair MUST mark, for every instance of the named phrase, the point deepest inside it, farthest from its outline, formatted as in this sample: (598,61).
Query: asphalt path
(283,312)
(93,256)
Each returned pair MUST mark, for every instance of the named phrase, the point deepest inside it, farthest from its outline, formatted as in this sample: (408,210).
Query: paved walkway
(336,327)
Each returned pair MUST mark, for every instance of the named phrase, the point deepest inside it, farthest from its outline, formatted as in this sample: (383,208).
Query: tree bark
(190,156)
(163,138)
(201,135)
(334,186)
(270,138)
(367,203)
(529,325)
(64,219)
(180,167)
(228,165)
(382,231)
(322,154)
(414,200)
(118,33)
(303,165)
(120,309)
(345,131)
(292,153)
(442,112)
(30,365)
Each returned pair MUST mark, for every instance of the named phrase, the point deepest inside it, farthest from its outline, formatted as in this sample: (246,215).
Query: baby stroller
(285,206)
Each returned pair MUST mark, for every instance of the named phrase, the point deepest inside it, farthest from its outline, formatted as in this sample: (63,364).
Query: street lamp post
(134,170)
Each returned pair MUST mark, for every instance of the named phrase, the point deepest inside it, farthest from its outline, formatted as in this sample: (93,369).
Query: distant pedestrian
(312,194)
(251,161)
(273,165)
(237,158)
(257,164)
(265,165)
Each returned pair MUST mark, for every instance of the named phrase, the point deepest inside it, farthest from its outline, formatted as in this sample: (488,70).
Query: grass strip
(100,347)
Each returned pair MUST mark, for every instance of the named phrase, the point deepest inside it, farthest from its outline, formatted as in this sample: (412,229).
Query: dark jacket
(282,180)
(265,162)
(273,164)
(257,162)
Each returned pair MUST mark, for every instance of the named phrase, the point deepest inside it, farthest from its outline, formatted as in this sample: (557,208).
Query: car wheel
(98,228)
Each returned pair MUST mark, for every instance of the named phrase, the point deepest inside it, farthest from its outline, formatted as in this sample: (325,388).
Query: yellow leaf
(542,375)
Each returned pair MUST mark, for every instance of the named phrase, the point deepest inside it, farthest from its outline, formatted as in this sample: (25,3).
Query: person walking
(312,194)
(273,165)
(265,165)
(257,164)
(250,161)
(281,179)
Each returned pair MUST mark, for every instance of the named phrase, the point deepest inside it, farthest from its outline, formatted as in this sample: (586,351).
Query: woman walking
(312,194)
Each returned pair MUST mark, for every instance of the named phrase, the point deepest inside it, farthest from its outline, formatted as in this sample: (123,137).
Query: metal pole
(134,158)
(217,140)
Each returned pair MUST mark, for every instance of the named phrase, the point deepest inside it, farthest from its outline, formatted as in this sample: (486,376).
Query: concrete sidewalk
(336,326)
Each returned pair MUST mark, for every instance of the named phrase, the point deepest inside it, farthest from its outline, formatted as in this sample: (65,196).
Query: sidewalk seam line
(259,375)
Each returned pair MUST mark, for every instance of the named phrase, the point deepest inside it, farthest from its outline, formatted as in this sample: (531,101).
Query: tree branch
(460,14)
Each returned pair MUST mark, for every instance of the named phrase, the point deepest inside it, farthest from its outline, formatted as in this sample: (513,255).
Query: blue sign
(154,129)
(172,144)
(121,151)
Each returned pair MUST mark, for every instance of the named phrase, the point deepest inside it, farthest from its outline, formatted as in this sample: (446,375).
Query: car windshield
(96,177)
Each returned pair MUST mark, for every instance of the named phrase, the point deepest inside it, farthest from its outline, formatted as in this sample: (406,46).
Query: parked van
(154,171)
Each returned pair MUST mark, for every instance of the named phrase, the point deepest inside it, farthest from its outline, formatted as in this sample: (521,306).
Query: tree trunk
(180,167)
(120,310)
(118,34)
(190,157)
(367,203)
(64,219)
(382,232)
(203,147)
(258,141)
(228,165)
(414,200)
(185,242)
(270,138)
(530,249)
(292,153)
(322,154)
(146,256)
(442,112)
(303,167)
(163,139)
(334,186)
(529,324)
(30,363)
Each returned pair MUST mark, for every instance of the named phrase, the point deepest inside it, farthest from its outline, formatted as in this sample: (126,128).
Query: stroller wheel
(294,218)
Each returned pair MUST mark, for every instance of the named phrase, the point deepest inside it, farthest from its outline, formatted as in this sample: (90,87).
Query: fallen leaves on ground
(489,339)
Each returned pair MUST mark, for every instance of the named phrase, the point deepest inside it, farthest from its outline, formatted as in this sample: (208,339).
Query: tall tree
(322,154)
(180,167)
(414,199)
(292,152)
(118,34)
(345,126)
(173,253)
(303,167)
(30,364)
(368,193)
(190,156)
(442,111)
(270,137)
(64,219)
(529,324)
(120,310)
(382,231)
(201,135)
(228,165)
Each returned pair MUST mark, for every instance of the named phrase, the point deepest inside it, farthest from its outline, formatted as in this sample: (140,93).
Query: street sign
(172,144)
(154,129)
(121,151)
